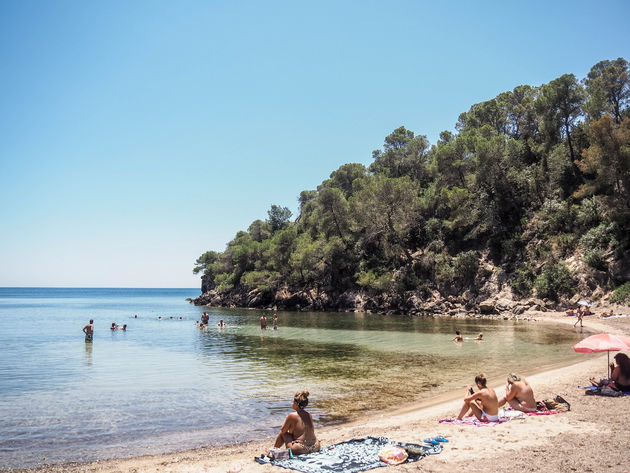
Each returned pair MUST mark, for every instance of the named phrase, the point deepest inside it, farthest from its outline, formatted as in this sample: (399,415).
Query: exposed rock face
(362,301)
(491,297)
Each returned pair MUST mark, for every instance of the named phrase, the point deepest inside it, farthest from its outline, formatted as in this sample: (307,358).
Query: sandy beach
(592,437)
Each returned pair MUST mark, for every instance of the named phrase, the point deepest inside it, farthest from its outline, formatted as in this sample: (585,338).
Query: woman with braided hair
(298,432)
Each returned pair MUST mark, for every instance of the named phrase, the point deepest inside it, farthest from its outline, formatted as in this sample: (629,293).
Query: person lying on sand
(482,404)
(519,394)
(298,432)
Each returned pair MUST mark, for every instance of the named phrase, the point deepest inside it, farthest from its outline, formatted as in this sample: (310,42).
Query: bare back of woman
(298,431)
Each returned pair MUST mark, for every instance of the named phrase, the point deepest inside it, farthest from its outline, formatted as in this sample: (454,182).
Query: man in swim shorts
(88,330)
(483,404)
(519,394)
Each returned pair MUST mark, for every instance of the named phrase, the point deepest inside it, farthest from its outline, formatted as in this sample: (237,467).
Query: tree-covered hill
(529,198)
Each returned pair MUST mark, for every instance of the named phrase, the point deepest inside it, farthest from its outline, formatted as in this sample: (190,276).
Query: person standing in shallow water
(88,330)
(263,322)
(275,321)
(298,431)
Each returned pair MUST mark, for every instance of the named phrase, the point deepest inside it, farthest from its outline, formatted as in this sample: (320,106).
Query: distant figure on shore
(263,322)
(482,404)
(124,327)
(621,373)
(88,330)
(458,337)
(205,318)
(580,316)
(113,326)
(519,394)
(607,314)
(275,321)
(221,324)
(298,431)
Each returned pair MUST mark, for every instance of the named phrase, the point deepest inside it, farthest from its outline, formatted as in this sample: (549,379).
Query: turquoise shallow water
(164,385)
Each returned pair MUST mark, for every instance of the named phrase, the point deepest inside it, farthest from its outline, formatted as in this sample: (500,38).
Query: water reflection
(365,361)
(88,353)
(164,384)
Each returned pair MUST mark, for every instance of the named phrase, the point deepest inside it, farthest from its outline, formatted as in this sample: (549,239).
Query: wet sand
(592,437)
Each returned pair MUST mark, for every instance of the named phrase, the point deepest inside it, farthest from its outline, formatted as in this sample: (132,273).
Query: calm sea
(165,385)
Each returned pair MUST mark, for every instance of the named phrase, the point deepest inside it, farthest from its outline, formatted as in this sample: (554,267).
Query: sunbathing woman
(519,394)
(298,432)
(621,373)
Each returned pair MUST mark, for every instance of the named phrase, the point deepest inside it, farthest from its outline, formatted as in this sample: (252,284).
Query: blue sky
(136,135)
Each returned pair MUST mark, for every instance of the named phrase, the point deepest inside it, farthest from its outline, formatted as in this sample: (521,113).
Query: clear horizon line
(96,287)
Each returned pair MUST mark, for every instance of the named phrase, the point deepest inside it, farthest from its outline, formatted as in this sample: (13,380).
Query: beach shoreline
(585,439)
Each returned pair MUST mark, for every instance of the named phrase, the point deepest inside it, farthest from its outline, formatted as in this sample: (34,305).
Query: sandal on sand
(564,401)
(262,459)
(436,440)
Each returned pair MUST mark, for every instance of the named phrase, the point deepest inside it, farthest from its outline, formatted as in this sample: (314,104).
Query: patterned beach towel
(352,456)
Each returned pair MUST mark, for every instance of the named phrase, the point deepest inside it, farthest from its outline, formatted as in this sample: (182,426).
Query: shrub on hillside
(599,237)
(621,295)
(369,279)
(522,281)
(596,259)
(553,281)
(465,266)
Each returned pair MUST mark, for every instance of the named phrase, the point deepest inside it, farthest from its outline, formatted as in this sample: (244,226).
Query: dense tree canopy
(530,177)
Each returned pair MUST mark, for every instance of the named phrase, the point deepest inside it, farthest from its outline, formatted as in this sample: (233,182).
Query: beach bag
(558,403)
(280,453)
(392,455)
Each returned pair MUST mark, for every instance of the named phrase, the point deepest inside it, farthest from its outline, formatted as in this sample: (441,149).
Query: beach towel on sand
(352,456)
(504,416)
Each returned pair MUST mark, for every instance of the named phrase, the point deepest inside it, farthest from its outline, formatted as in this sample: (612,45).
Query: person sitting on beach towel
(621,373)
(519,394)
(298,432)
(482,404)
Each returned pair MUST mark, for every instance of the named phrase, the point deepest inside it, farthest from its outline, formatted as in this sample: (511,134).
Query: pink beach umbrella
(603,342)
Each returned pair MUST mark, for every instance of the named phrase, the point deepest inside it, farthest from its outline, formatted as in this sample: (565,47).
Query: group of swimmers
(458,337)
(263,322)
(205,318)
(88,330)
